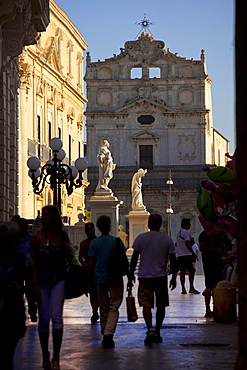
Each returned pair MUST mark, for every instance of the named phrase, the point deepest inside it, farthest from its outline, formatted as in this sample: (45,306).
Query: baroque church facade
(162,123)
(51,104)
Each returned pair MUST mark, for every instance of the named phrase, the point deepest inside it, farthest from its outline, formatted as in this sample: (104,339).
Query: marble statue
(106,165)
(136,189)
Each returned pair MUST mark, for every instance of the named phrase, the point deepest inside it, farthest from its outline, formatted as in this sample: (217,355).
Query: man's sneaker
(107,341)
(149,340)
(157,338)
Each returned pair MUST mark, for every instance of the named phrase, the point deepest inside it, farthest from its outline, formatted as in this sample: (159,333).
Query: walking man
(110,294)
(154,249)
(186,256)
(83,258)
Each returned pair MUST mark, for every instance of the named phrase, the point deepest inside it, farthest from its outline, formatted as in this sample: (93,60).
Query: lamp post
(169,209)
(56,173)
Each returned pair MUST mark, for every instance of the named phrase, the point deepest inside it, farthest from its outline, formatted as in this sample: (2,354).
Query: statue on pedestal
(136,189)
(106,166)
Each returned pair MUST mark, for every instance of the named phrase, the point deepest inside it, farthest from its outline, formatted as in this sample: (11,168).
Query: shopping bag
(131,307)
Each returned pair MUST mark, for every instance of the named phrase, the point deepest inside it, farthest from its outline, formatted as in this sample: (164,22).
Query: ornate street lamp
(169,209)
(56,173)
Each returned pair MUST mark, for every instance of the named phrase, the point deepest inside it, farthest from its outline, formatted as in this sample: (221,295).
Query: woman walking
(50,249)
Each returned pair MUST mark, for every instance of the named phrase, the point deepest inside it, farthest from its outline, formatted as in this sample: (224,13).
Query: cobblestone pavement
(189,339)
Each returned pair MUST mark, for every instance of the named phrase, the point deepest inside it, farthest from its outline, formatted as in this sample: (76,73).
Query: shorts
(185,263)
(148,287)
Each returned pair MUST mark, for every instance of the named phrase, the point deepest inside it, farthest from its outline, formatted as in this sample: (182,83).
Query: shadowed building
(20,21)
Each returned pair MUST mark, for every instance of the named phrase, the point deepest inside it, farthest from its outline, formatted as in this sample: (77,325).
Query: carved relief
(24,70)
(186,148)
(186,96)
(104,97)
(145,50)
(104,74)
(186,71)
(148,91)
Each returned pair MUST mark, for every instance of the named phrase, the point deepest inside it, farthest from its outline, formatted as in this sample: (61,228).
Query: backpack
(118,265)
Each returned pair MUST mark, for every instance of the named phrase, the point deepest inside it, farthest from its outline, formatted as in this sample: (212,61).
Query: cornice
(64,19)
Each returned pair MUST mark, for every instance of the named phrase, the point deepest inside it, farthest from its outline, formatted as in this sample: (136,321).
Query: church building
(154,108)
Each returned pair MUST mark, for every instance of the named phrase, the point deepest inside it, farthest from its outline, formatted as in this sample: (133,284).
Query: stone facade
(19,23)
(161,122)
(52,105)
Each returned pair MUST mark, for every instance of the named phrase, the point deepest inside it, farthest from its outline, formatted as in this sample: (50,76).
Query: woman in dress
(50,250)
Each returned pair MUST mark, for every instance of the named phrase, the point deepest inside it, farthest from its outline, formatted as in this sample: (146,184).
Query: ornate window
(146,119)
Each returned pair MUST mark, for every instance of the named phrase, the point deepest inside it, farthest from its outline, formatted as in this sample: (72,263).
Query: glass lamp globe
(50,162)
(33,163)
(169,181)
(169,209)
(35,173)
(74,171)
(56,144)
(81,164)
(61,155)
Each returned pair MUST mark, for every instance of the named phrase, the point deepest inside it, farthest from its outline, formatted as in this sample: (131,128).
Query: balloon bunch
(216,200)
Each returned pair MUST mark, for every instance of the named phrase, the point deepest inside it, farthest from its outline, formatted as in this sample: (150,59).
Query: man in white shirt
(186,256)
(154,248)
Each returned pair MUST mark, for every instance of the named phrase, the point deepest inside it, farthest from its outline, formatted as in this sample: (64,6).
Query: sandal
(47,362)
(55,365)
(209,314)
(194,291)
(47,365)
(183,292)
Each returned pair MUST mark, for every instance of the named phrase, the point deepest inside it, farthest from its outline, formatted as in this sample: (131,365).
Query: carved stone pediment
(145,50)
(145,105)
(145,135)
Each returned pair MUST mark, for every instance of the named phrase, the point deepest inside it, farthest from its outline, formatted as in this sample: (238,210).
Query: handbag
(131,307)
(118,265)
(76,281)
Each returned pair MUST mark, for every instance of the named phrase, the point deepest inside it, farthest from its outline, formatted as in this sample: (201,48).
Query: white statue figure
(106,165)
(136,189)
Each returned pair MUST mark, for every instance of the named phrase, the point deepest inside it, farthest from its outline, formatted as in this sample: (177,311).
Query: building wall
(161,122)
(52,105)
(19,23)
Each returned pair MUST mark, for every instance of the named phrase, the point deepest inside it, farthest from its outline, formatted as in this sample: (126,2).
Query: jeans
(50,306)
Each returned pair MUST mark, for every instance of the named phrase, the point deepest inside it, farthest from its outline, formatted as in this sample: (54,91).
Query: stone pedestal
(77,232)
(103,202)
(138,224)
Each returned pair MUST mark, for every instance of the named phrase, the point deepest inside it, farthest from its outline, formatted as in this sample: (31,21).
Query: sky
(186,27)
